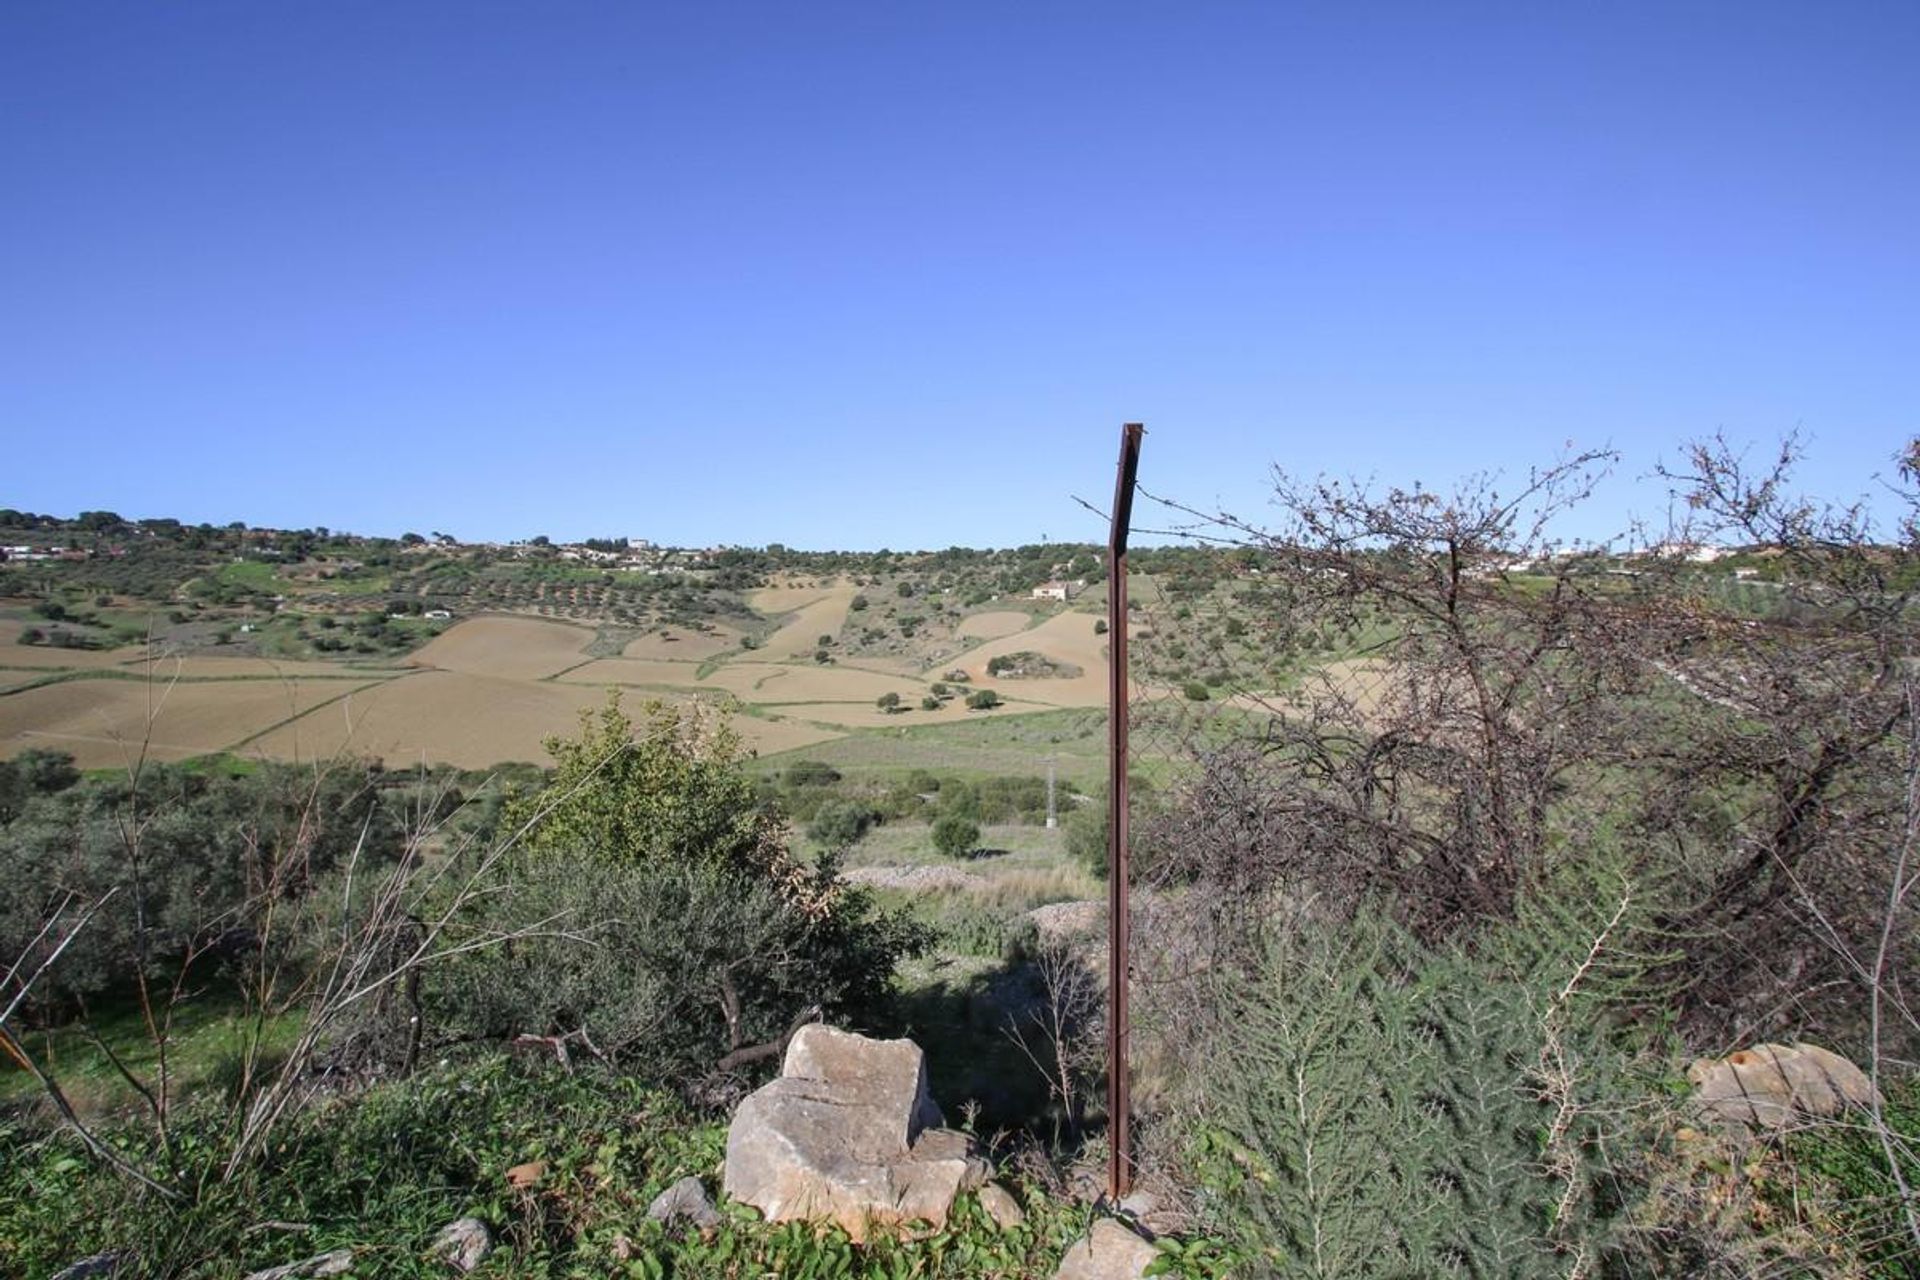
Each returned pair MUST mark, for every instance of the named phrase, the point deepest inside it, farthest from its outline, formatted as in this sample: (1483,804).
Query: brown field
(992,626)
(681,645)
(821,612)
(634,671)
(206,666)
(790,595)
(766,683)
(505,648)
(443,717)
(1066,637)
(42,657)
(446,717)
(768,736)
(101,722)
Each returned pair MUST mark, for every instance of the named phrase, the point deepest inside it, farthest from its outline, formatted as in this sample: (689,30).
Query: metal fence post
(1119,927)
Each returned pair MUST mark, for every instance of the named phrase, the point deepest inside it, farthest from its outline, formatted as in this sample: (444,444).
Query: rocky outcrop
(1769,1085)
(848,1134)
(1108,1252)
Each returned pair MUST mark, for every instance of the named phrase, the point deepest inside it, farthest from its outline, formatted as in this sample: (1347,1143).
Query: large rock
(463,1244)
(848,1134)
(1108,1252)
(1771,1084)
(332,1263)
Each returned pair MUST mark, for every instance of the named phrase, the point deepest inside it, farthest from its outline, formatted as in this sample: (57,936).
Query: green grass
(999,743)
(381,1171)
(206,1039)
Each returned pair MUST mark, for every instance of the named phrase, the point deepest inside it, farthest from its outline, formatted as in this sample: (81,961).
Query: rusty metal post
(1119,927)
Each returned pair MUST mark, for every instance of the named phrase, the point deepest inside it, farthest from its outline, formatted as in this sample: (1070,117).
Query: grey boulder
(848,1134)
(333,1263)
(1769,1085)
(1108,1252)
(463,1244)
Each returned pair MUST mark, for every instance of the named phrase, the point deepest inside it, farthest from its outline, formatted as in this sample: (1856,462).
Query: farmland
(803,661)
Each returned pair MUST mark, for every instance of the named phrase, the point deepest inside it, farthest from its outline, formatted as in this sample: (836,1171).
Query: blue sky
(892,274)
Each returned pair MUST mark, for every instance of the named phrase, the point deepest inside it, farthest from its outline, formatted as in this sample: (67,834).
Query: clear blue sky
(894,273)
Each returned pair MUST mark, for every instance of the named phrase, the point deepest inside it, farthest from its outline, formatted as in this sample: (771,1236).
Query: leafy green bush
(955,837)
(657,915)
(838,823)
(193,856)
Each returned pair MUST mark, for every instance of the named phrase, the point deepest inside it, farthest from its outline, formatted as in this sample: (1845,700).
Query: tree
(673,791)
(411,539)
(888,702)
(955,837)
(982,700)
(929,703)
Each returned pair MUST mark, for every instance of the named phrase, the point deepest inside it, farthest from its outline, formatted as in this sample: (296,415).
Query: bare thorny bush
(1477,710)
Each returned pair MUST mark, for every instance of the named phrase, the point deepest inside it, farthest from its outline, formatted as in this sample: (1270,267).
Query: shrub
(672,925)
(811,773)
(841,822)
(675,792)
(955,837)
(1195,691)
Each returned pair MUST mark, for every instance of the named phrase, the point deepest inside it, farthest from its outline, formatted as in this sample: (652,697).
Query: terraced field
(490,688)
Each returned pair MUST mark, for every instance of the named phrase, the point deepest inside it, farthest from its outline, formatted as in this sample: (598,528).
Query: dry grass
(101,722)
(505,648)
